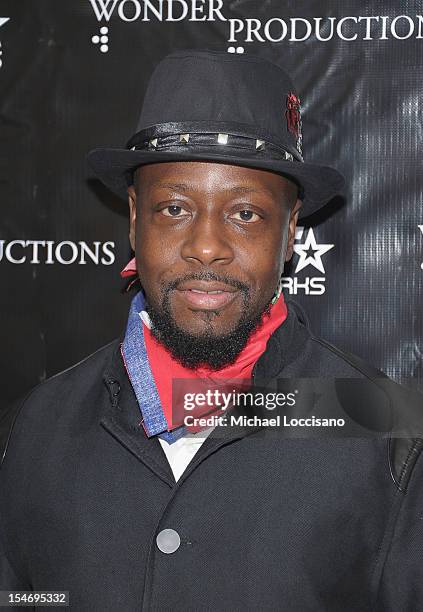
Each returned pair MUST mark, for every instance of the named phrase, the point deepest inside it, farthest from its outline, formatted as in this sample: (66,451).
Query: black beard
(206,349)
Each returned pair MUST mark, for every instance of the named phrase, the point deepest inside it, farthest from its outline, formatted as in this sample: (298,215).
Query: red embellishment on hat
(293,117)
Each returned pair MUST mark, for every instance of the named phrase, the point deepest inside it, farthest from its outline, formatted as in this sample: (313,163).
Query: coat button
(168,541)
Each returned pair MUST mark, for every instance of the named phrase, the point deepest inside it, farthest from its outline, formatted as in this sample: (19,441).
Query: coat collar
(122,418)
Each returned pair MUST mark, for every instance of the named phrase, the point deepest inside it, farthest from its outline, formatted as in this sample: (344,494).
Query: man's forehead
(197,175)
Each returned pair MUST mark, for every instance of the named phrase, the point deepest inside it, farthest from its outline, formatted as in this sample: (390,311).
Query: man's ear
(291,229)
(132,200)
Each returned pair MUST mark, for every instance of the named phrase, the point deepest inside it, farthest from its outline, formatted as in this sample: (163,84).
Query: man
(110,493)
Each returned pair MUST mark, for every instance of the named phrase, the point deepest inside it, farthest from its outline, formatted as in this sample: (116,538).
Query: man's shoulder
(83,373)
(294,349)
(316,357)
(55,394)
(342,361)
(365,392)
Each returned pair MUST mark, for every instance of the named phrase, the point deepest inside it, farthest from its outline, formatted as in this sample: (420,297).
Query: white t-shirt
(180,453)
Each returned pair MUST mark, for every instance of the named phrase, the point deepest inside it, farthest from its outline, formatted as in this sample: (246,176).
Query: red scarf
(165,368)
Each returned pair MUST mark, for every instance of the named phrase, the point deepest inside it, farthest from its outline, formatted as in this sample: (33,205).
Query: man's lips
(205,295)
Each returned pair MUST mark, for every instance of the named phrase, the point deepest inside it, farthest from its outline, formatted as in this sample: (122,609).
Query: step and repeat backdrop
(72,77)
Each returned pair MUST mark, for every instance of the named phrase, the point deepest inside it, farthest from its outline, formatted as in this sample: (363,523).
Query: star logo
(310,253)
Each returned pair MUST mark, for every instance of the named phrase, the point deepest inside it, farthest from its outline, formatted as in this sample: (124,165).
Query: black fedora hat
(217,106)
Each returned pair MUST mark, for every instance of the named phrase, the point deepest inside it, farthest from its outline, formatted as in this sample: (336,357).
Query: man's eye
(172,211)
(247,215)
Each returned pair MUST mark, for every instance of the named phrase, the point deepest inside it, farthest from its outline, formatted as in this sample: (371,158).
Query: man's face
(210,241)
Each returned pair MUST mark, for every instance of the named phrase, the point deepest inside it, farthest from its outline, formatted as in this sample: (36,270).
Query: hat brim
(115,167)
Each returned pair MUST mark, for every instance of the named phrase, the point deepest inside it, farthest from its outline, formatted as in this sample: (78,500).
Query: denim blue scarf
(135,357)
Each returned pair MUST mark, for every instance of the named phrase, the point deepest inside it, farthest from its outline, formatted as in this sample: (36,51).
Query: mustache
(207,275)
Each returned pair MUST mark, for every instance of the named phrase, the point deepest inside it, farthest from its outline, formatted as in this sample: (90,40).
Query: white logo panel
(310,253)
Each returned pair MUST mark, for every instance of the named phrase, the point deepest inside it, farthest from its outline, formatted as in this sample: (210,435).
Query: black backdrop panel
(72,77)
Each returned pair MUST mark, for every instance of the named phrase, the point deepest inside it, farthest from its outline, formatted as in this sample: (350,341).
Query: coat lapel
(122,419)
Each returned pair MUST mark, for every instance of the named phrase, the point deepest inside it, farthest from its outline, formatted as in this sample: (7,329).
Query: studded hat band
(168,136)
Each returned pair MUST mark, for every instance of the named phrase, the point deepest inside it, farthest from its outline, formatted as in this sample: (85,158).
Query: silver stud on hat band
(184,138)
(222,139)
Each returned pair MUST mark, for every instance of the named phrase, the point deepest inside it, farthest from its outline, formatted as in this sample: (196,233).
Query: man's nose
(207,242)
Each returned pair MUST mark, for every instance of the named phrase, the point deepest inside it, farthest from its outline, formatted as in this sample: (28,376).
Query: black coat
(265,523)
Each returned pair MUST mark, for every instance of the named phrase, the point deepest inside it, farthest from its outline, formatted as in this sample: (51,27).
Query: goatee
(206,349)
